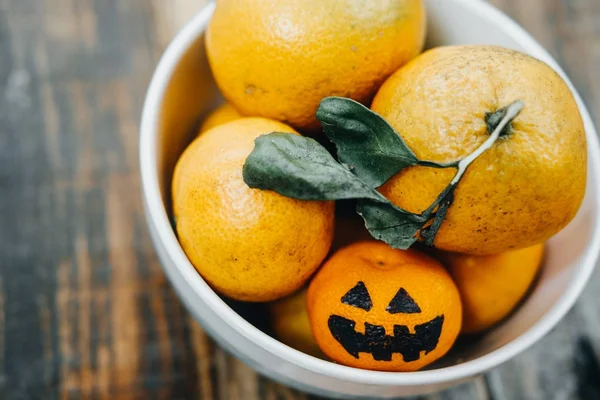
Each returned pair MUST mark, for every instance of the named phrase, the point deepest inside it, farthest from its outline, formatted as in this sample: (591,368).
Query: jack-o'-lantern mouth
(382,346)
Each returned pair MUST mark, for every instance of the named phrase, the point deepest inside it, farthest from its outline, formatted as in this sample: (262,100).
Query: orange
(524,189)
(374,307)
(223,114)
(249,244)
(290,323)
(279,58)
(491,286)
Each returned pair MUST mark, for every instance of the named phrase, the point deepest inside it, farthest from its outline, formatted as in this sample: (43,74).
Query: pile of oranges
(334,291)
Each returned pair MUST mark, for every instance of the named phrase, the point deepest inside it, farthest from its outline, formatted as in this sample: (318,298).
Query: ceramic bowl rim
(158,217)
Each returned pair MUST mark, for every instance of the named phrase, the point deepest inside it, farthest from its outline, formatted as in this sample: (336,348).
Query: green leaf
(390,224)
(365,142)
(299,167)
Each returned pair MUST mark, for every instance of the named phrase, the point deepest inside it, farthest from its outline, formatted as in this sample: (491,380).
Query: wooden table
(85,310)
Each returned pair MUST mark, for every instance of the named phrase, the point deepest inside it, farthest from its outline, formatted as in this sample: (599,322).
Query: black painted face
(375,341)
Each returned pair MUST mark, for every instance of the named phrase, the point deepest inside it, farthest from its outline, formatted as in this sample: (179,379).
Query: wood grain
(85,310)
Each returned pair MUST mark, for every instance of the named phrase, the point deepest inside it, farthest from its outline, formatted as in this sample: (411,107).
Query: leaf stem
(444,200)
(512,110)
(430,210)
(433,164)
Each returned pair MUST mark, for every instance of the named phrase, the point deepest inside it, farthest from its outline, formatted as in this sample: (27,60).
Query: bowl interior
(191,92)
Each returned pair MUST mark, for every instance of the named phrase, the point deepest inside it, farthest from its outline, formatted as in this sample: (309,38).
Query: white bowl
(181,92)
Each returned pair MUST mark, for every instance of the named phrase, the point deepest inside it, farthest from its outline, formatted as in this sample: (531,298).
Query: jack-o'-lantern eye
(403,303)
(358,297)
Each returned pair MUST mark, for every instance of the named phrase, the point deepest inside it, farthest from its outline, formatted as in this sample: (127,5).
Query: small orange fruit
(491,286)
(520,192)
(290,323)
(279,58)
(249,244)
(374,307)
(223,114)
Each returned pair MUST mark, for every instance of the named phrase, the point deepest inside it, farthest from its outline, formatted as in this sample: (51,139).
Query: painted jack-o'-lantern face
(374,307)
(375,340)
